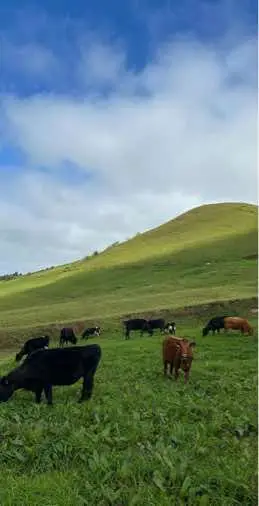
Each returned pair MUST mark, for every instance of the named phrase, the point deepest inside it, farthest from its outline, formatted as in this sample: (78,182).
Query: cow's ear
(192,344)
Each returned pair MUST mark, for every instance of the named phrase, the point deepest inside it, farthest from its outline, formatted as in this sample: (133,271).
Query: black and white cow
(170,328)
(91,331)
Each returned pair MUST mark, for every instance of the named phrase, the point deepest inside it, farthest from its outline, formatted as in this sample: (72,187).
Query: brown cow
(236,323)
(178,352)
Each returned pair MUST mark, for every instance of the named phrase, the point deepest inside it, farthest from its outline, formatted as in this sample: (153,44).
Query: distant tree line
(8,277)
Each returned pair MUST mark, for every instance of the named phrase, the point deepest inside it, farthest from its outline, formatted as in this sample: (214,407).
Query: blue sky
(117,116)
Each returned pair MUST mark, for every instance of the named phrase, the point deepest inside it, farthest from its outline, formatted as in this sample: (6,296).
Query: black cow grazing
(43,369)
(215,324)
(91,331)
(36,343)
(157,324)
(136,324)
(67,335)
(170,327)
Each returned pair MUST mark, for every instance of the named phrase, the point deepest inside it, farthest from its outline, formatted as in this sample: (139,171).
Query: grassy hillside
(206,254)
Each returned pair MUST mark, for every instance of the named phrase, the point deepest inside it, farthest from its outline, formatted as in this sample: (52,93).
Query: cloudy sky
(116,116)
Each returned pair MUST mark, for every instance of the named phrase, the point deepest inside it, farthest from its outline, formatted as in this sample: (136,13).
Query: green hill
(142,439)
(204,255)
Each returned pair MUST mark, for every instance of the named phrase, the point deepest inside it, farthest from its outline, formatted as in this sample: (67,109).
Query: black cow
(91,331)
(156,324)
(67,335)
(170,327)
(31,345)
(215,324)
(43,369)
(136,324)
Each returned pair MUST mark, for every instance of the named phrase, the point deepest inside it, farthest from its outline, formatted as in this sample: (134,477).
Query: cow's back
(217,321)
(135,323)
(67,332)
(234,322)
(171,349)
(59,366)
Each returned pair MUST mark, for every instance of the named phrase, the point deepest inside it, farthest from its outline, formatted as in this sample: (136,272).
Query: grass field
(142,440)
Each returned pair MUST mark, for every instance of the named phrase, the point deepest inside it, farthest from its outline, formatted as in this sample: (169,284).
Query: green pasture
(143,439)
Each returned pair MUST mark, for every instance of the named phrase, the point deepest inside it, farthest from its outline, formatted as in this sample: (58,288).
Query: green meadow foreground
(143,439)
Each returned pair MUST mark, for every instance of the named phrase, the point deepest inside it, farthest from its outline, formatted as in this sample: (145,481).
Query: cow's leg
(186,376)
(48,394)
(88,381)
(88,384)
(165,368)
(171,368)
(176,372)
(38,393)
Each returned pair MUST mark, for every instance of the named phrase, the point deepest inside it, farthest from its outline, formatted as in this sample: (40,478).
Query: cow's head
(7,389)
(205,331)
(187,354)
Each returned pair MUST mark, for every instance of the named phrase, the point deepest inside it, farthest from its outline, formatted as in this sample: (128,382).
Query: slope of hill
(206,254)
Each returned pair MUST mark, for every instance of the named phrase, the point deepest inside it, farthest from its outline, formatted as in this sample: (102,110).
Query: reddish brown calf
(237,323)
(178,353)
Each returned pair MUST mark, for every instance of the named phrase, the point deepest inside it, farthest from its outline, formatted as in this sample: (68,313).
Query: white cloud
(181,132)
(31,59)
(100,63)
(45,222)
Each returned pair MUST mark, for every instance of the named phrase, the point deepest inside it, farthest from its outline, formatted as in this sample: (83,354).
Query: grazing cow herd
(148,326)
(44,368)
